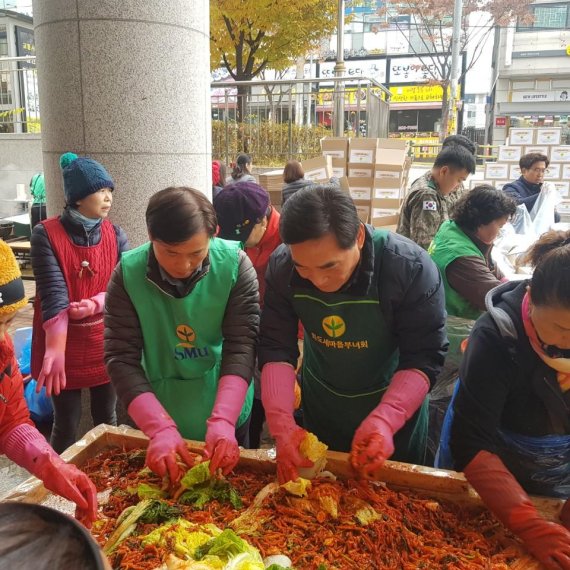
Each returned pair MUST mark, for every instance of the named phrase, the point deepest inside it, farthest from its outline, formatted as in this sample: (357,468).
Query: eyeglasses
(538,170)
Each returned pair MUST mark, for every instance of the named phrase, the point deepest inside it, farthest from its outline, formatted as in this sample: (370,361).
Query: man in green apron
(373,309)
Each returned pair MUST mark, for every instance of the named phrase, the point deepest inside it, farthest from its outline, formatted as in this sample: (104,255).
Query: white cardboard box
(560,153)
(362,150)
(498,184)
(338,167)
(360,188)
(360,170)
(519,136)
(563,207)
(363,211)
(387,193)
(548,136)
(539,149)
(553,172)
(336,147)
(318,169)
(496,171)
(509,153)
(565,172)
(514,171)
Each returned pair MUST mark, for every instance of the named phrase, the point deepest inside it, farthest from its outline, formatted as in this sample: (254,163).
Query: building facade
(532,72)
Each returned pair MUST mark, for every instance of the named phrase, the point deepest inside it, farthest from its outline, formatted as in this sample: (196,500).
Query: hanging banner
(418,93)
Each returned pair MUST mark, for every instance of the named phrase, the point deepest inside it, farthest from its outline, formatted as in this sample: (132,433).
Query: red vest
(84,362)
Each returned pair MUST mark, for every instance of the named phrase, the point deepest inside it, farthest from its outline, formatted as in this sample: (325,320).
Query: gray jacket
(124,340)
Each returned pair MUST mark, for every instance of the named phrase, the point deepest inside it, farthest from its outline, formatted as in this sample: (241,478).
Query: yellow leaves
(248,35)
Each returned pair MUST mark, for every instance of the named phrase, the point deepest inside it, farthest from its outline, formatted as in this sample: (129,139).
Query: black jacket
(410,291)
(124,340)
(504,383)
(523,192)
(50,282)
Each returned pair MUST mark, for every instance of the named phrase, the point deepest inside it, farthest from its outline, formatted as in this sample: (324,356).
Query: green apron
(451,243)
(183,340)
(349,358)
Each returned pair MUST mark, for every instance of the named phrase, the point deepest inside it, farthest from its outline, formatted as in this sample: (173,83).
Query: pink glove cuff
(99,301)
(149,414)
(278,397)
(229,400)
(57,324)
(404,396)
(27,447)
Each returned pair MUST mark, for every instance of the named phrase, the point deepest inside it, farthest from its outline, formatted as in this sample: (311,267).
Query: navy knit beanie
(82,177)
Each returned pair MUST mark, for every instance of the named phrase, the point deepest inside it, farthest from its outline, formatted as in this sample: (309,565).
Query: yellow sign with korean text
(418,93)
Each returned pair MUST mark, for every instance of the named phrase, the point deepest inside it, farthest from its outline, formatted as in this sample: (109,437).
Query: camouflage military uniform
(425,209)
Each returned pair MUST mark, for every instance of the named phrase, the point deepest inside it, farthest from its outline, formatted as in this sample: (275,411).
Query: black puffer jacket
(50,282)
(123,335)
(410,292)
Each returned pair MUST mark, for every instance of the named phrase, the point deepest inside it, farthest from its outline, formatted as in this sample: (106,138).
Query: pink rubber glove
(221,444)
(87,307)
(547,541)
(52,374)
(27,447)
(278,397)
(373,441)
(166,444)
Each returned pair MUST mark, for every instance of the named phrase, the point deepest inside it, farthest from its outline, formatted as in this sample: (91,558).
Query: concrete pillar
(126,83)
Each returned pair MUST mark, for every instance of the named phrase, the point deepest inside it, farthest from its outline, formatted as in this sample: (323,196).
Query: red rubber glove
(373,441)
(27,447)
(221,444)
(548,542)
(166,444)
(278,397)
(52,374)
(87,307)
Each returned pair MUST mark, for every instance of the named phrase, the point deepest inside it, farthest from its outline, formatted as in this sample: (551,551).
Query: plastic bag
(522,222)
(40,406)
(543,211)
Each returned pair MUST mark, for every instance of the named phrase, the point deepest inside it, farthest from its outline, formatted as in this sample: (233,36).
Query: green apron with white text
(349,358)
(183,340)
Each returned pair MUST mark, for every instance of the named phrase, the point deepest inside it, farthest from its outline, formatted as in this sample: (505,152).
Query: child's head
(34,536)
(12,293)
(87,185)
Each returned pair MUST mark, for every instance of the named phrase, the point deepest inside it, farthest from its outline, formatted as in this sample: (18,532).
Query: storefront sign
(417,93)
(540,53)
(500,121)
(413,70)
(373,68)
(537,96)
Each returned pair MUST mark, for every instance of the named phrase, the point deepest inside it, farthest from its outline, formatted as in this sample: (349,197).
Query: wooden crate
(436,483)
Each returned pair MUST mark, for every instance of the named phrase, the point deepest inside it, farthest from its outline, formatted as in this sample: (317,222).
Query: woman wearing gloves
(73,257)
(19,439)
(372,306)
(511,425)
(181,323)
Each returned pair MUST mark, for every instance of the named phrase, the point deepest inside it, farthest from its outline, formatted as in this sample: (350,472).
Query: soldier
(429,201)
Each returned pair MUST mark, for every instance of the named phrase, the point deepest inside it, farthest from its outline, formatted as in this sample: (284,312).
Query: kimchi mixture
(237,522)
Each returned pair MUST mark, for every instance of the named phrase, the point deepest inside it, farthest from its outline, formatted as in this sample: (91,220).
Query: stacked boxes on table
(373,171)
(377,172)
(523,141)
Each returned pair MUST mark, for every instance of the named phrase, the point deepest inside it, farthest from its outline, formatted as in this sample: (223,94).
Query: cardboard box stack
(376,175)
(522,141)
(373,171)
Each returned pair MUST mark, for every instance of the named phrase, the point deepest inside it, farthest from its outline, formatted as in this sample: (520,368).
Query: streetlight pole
(339,69)
(455,61)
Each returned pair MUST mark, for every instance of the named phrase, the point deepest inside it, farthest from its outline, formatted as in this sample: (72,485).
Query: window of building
(3,42)
(548,17)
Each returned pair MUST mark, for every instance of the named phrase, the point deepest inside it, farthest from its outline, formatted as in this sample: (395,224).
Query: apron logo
(187,349)
(187,335)
(334,326)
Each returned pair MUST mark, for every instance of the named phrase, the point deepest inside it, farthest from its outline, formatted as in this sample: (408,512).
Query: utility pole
(339,69)
(455,61)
